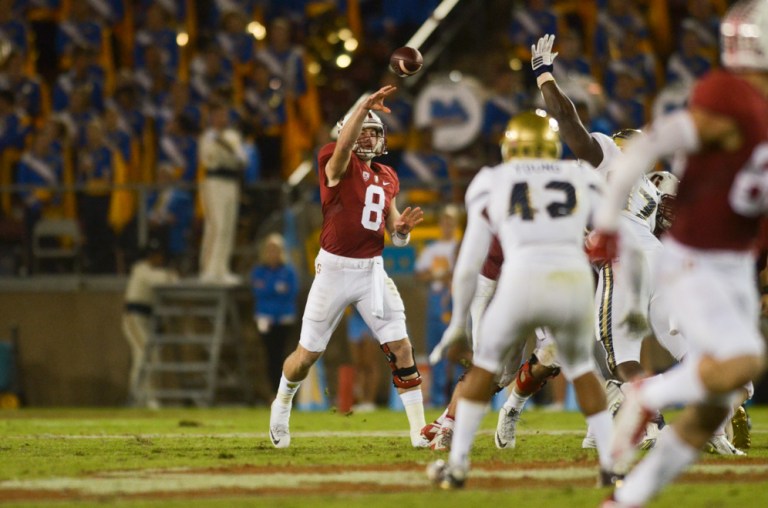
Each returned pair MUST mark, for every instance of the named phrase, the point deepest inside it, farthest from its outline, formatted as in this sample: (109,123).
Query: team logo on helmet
(667,184)
(621,137)
(531,134)
(379,146)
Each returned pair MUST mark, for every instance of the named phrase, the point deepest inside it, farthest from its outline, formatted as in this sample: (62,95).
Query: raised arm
(337,164)
(560,107)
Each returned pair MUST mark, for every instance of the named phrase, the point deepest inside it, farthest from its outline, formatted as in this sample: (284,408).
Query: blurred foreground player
(707,262)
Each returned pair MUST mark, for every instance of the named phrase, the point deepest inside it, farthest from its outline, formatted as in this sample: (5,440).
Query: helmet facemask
(744,36)
(372,121)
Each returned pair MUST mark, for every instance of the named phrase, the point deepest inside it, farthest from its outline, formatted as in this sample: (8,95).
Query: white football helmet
(667,184)
(744,36)
(372,121)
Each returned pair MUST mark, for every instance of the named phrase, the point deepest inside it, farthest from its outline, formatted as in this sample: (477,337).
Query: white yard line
(143,482)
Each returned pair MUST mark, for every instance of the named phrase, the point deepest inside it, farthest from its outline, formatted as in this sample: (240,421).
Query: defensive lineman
(358,199)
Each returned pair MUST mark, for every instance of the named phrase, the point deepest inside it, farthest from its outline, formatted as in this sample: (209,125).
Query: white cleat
(719,445)
(419,441)
(278,425)
(506,428)
(443,438)
(589,442)
(445,476)
(629,428)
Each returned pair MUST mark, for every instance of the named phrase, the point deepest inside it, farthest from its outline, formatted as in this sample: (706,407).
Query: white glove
(542,56)
(451,336)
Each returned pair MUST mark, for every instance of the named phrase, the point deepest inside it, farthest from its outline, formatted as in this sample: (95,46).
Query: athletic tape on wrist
(543,78)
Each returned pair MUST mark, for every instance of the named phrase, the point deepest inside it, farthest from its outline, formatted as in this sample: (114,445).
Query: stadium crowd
(101,99)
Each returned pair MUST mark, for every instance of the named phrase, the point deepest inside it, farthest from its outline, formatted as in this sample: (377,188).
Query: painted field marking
(144,482)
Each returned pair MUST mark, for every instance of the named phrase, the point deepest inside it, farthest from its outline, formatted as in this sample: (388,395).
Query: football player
(359,203)
(707,267)
(538,207)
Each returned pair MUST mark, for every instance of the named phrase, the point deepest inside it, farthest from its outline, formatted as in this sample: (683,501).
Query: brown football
(405,61)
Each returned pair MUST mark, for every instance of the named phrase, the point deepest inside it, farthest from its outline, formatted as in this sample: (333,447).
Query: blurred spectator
(127,104)
(110,12)
(703,17)
(178,149)
(145,273)
(26,89)
(689,62)
(631,54)
(170,211)
(264,101)
(95,169)
(435,267)
(618,18)
(366,358)
(120,136)
(83,74)
(211,71)
(530,20)
(283,58)
(275,287)
(625,107)
(154,81)
(233,39)
(176,9)
(13,28)
(14,126)
(40,166)
(79,30)
(217,8)
(571,61)
(178,104)
(157,32)
(78,114)
(223,158)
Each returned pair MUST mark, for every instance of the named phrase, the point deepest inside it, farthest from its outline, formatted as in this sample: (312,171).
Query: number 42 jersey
(534,202)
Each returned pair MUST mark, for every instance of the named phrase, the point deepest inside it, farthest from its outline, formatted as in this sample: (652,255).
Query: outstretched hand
(408,220)
(375,101)
(542,56)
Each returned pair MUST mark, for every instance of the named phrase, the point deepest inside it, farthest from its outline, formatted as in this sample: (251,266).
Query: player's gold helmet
(531,134)
(621,137)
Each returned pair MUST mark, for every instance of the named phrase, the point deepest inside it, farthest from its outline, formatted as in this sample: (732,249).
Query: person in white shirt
(145,274)
(223,157)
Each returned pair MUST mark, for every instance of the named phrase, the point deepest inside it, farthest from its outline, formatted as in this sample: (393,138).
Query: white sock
(601,426)
(515,400)
(448,423)
(664,463)
(469,414)
(413,402)
(286,391)
(441,418)
(679,385)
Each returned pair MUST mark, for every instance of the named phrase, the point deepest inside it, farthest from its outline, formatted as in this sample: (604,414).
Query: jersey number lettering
(749,192)
(520,200)
(373,212)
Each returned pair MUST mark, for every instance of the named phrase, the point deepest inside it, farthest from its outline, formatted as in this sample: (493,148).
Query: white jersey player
(538,208)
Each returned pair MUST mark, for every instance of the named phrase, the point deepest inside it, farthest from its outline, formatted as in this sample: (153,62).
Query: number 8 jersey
(533,202)
(355,210)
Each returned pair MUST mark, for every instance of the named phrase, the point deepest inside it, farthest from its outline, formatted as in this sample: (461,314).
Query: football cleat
(609,479)
(629,427)
(506,427)
(740,428)
(719,445)
(445,476)
(430,430)
(442,441)
(278,425)
(419,441)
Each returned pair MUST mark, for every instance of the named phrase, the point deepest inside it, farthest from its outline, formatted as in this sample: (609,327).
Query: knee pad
(398,373)
(526,383)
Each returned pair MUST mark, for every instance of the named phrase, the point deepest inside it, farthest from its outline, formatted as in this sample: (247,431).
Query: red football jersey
(711,189)
(492,266)
(355,210)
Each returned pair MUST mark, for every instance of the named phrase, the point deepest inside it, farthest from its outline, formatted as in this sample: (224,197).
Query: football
(405,61)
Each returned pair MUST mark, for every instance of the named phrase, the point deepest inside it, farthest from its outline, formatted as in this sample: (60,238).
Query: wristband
(543,78)
(401,240)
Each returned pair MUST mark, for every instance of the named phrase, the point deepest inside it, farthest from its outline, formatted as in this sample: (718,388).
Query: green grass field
(222,457)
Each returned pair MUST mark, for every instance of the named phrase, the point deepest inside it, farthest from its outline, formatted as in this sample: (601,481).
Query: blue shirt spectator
(274,284)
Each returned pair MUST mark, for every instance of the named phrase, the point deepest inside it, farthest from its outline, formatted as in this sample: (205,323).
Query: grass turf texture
(86,446)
